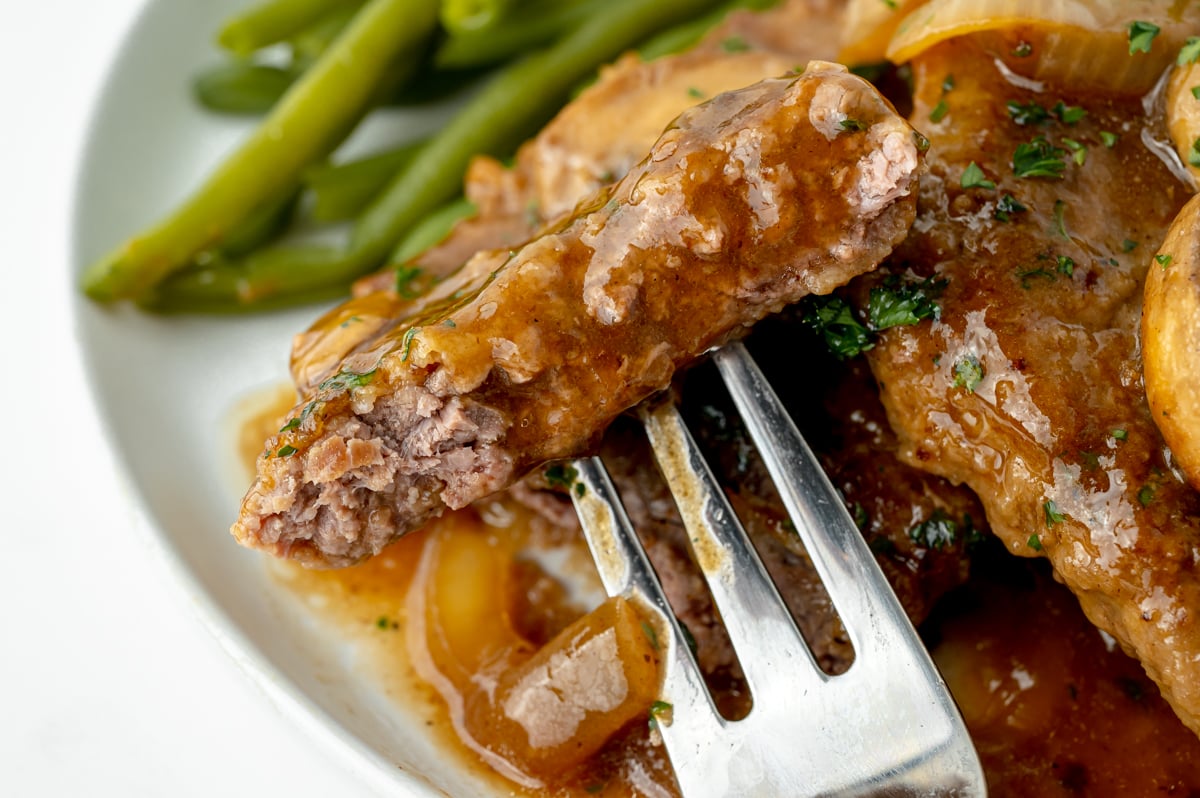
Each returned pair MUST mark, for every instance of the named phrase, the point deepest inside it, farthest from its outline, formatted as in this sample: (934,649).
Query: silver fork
(887,726)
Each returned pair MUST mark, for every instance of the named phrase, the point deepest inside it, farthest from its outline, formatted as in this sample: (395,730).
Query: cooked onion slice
(1183,115)
(1171,339)
(868,27)
(1081,43)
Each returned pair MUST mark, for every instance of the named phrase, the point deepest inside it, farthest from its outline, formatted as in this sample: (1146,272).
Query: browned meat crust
(748,202)
(1028,388)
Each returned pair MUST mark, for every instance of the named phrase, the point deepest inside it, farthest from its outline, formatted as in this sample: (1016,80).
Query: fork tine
(773,654)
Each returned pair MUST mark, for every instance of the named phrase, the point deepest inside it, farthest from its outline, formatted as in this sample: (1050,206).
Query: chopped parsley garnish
(735,44)
(1053,516)
(947,83)
(382,622)
(895,304)
(660,709)
(1026,276)
(972,177)
(345,380)
(936,532)
(561,476)
(1034,542)
(1038,158)
(1078,151)
(1068,114)
(1163,260)
(1006,207)
(694,93)
(291,425)
(1146,495)
(407,342)
(1027,113)
(1128,245)
(1065,265)
(1120,434)
(852,124)
(833,318)
(921,142)
(406,276)
(1194,153)
(1196,92)
(891,4)
(1109,139)
(968,373)
(286,451)
(861,516)
(650,634)
(939,111)
(1023,49)
(1141,36)
(1189,52)
(1060,221)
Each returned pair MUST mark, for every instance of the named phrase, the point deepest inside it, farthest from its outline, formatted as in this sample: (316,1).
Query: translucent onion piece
(869,26)
(1183,115)
(1079,43)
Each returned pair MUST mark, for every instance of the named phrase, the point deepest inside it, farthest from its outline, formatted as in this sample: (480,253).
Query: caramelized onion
(1183,115)
(868,27)
(1080,43)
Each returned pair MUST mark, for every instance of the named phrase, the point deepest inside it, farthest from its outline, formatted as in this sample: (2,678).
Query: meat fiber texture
(1027,388)
(746,203)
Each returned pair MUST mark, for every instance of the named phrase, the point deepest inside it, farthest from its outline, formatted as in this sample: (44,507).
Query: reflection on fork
(887,726)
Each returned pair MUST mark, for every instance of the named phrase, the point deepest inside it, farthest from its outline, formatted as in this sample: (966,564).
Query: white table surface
(110,685)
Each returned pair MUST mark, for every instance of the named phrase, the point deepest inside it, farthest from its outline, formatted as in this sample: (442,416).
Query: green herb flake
(972,177)
(1120,434)
(833,319)
(896,304)
(735,44)
(1189,52)
(1034,542)
(407,342)
(660,711)
(1068,114)
(852,124)
(939,111)
(1060,221)
(1027,113)
(695,93)
(968,373)
(650,634)
(351,320)
(561,476)
(1146,495)
(861,516)
(1141,36)
(291,425)
(449,323)
(345,380)
(1006,207)
(1090,460)
(947,84)
(1128,245)
(592,789)
(382,622)
(891,4)
(580,489)
(1023,49)
(286,451)
(1065,265)
(1038,158)
(1108,138)
(1026,276)
(921,141)
(936,532)
(1053,516)
(1163,260)
(1078,151)
(1194,153)
(406,278)
(1196,92)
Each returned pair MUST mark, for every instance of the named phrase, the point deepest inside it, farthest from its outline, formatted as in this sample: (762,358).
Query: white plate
(166,388)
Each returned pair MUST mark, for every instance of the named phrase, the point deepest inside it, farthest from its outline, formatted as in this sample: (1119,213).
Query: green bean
(239,87)
(533,27)
(509,108)
(468,15)
(311,43)
(271,22)
(262,226)
(319,110)
(433,229)
(341,191)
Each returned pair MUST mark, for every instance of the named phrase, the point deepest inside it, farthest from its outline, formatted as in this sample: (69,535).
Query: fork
(887,726)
